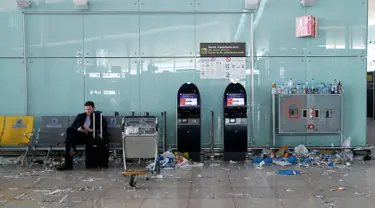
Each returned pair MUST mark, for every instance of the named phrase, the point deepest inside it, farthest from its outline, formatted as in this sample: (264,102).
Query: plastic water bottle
(307,86)
(298,88)
(323,88)
(335,84)
(312,85)
(288,172)
(290,86)
(328,88)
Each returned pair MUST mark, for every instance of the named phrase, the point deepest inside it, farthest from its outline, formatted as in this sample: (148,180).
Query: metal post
(342,119)
(164,135)
(273,121)
(212,138)
(252,78)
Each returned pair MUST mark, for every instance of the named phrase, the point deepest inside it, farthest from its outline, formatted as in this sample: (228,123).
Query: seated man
(80,130)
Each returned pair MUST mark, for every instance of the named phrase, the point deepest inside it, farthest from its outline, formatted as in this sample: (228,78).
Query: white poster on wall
(222,68)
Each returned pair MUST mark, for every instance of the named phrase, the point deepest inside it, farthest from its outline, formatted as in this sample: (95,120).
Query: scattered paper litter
(232,162)
(338,189)
(236,194)
(197,165)
(214,165)
(92,179)
(19,196)
(260,165)
(329,204)
(58,191)
(158,176)
(319,196)
(289,190)
(90,188)
(66,196)
(282,163)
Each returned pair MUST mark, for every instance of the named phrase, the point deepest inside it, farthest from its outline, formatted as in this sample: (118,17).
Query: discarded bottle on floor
(288,172)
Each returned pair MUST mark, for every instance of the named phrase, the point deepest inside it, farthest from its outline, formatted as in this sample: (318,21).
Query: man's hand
(87,129)
(82,130)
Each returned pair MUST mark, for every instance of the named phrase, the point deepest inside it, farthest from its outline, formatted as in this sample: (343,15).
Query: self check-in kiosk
(235,122)
(189,121)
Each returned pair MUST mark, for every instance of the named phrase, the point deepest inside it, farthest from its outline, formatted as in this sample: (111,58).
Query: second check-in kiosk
(235,122)
(189,120)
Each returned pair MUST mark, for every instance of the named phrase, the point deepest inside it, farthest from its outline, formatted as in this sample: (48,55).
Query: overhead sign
(223,49)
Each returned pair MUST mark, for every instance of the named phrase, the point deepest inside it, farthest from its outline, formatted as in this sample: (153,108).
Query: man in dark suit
(80,130)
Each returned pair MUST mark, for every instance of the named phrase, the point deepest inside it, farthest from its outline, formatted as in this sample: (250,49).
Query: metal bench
(17,134)
(50,136)
(2,124)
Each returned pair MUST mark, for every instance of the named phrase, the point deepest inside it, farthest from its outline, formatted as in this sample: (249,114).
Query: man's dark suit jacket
(80,121)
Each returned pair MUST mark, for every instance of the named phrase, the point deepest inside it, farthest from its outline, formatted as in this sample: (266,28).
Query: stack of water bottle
(308,87)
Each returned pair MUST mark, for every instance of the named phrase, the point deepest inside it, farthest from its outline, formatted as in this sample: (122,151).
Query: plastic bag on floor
(168,154)
(301,150)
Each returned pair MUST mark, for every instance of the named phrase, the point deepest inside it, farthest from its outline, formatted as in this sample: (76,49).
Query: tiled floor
(225,186)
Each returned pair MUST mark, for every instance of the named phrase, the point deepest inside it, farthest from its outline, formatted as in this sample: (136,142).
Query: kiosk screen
(235,99)
(188,100)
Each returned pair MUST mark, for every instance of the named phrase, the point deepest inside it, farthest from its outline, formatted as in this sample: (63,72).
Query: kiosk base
(235,156)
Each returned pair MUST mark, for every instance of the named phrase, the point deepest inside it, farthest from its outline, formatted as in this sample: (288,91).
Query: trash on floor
(282,151)
(158,176)
(338,189)
(260,165)
(10,160)
(329,204)
(289,190)
(236,194)
(288,172)
(301,150)
(282,163)
(61,201)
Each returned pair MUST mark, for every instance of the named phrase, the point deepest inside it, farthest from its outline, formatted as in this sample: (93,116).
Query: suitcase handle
(93,124)
(101,126)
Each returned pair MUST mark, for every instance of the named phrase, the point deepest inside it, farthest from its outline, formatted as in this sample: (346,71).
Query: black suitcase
(97,151)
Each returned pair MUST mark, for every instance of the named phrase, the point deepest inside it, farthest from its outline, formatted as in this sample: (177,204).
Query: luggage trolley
(140,141)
